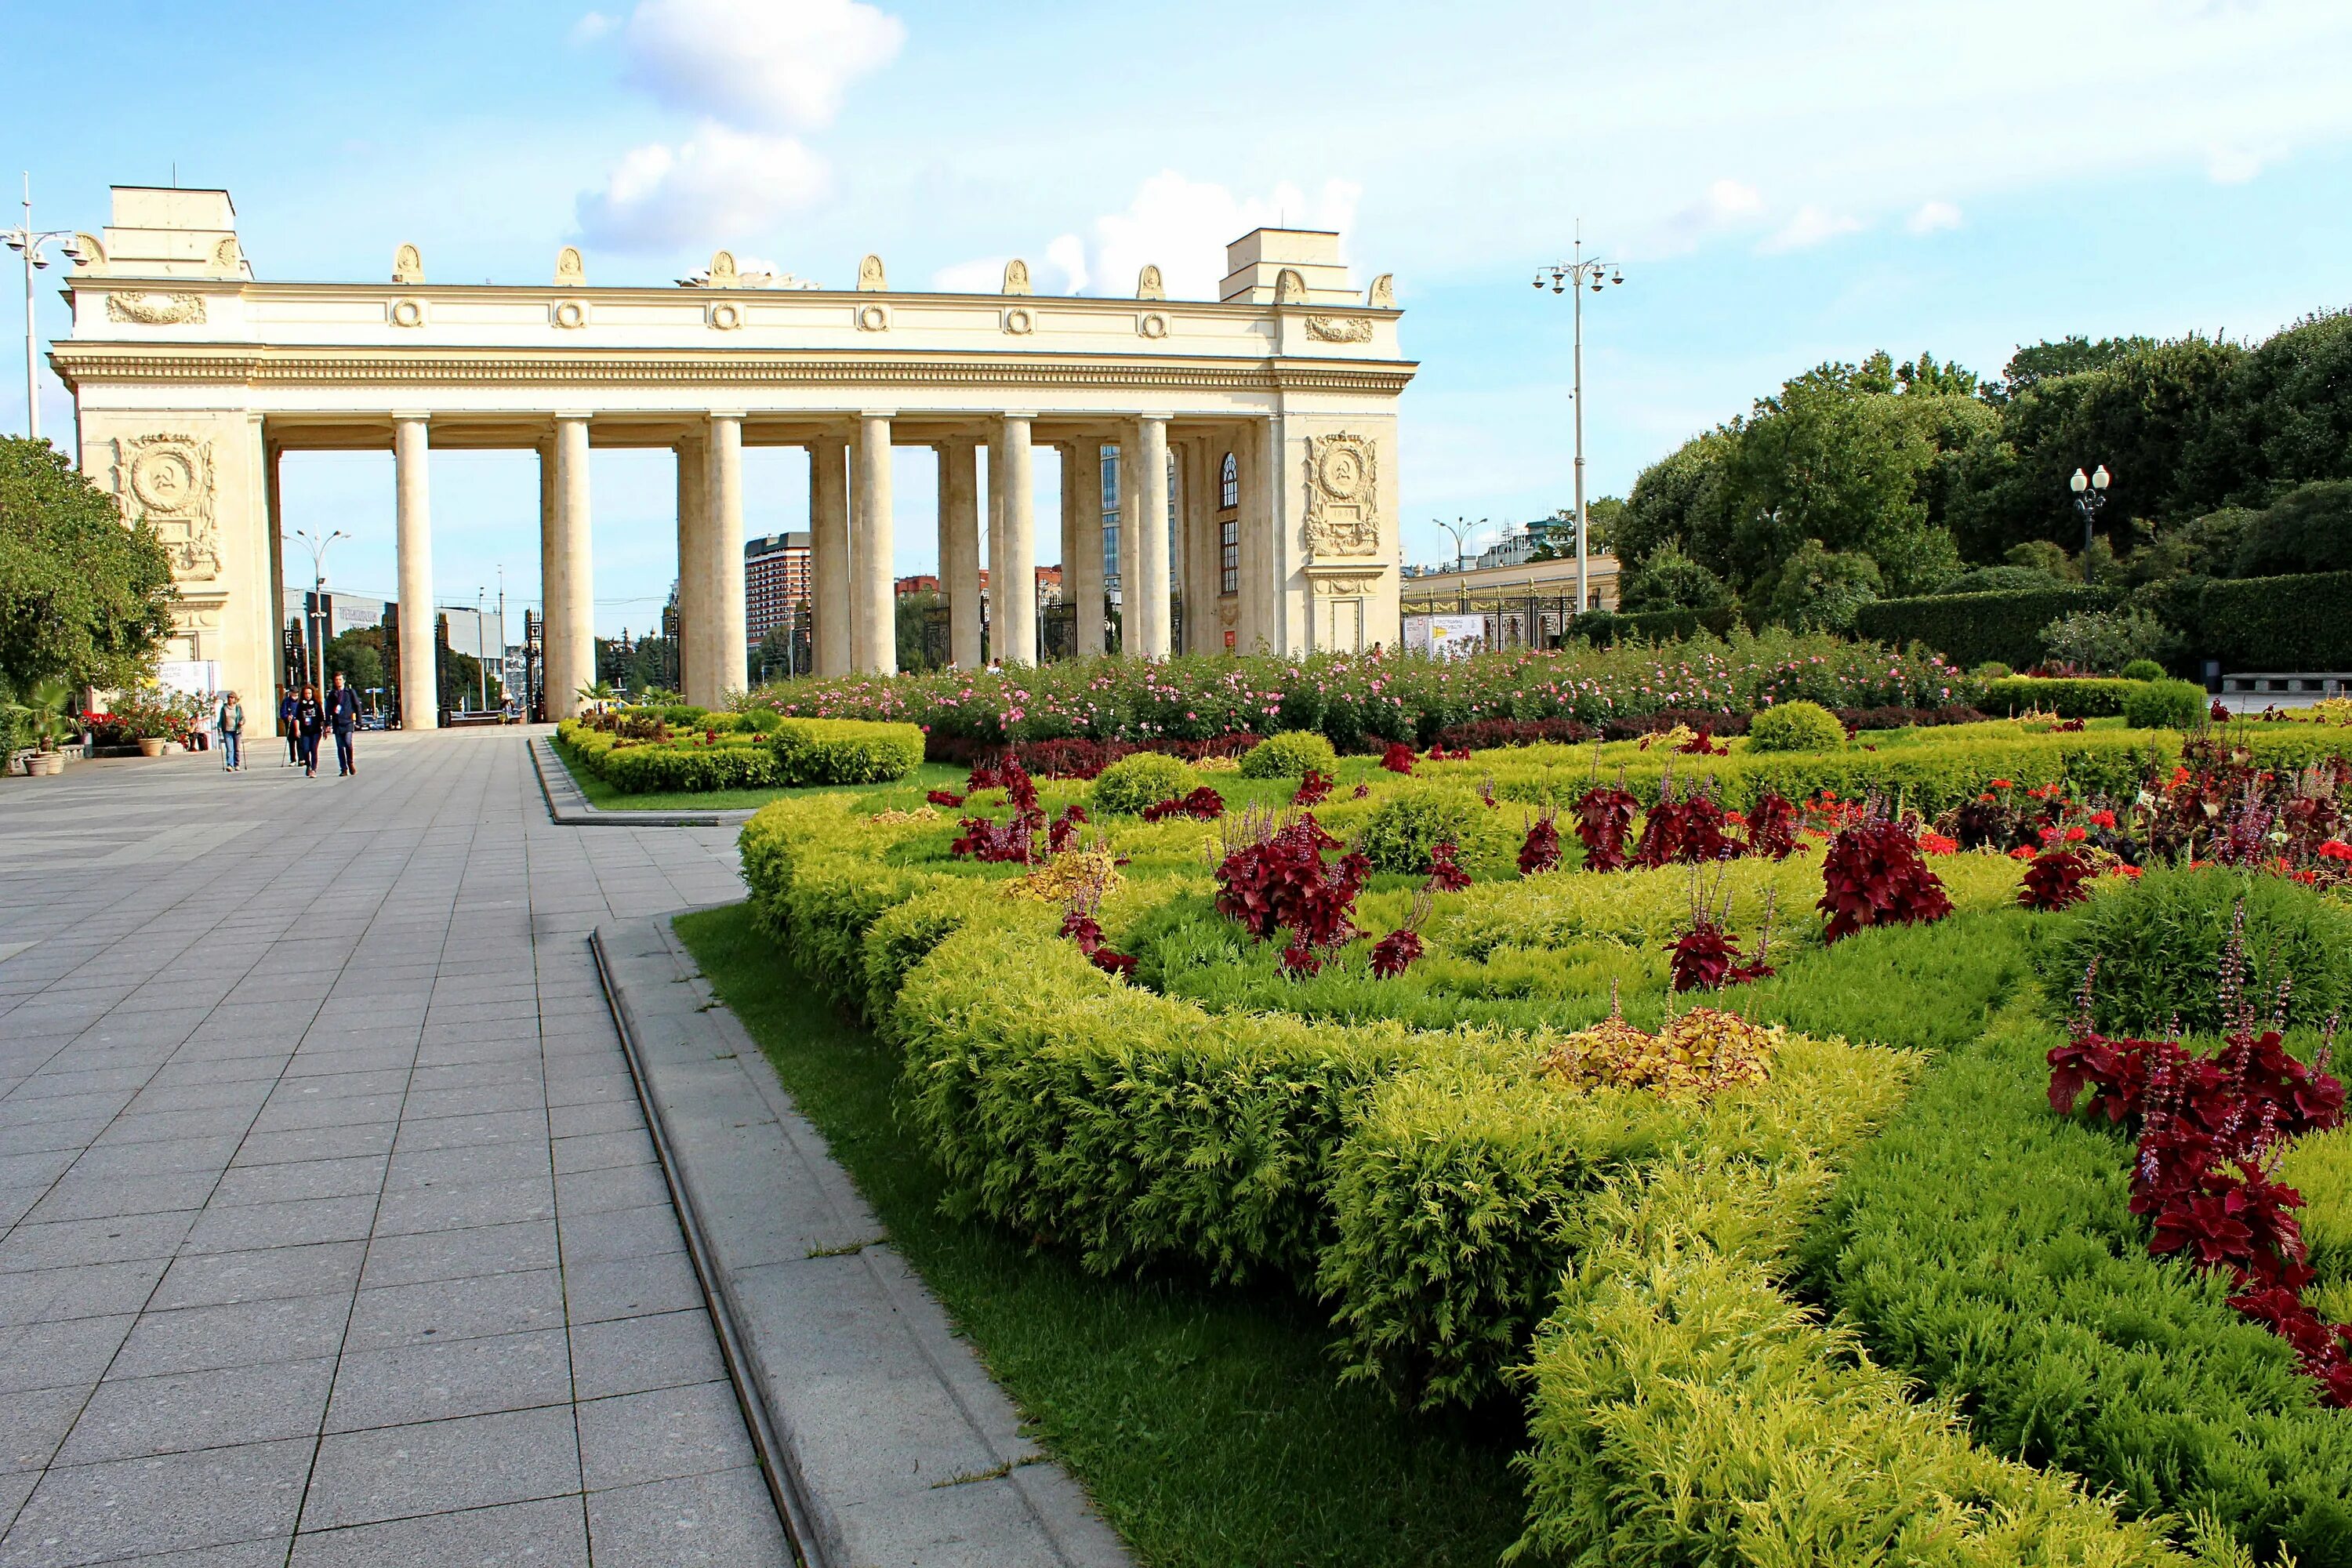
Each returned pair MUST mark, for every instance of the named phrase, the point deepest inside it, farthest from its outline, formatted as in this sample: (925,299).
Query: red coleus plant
(1395,952)
(1314,789)
(1702,744)
(1081,927)
(2210,1131)
(1539,852)
(944,797)
(1445,876)
(1873,875)
(1398,758)
(1772,827)
(1438,753)
(1706,956)
(1015,840)
(1274,877)
(2055,879)
(1688,831)
(1603,817)
(1203,804)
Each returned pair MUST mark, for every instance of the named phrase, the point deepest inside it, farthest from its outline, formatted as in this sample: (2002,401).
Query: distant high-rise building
(775,578)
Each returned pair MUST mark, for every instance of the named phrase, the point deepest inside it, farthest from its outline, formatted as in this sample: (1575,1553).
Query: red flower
(2103,819)
(2337,849)
(2002,783)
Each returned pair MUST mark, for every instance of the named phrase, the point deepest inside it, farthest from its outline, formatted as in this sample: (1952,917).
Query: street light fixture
(1462,529)
(315,617)
(2090,495)
(1574,276)
(28,242)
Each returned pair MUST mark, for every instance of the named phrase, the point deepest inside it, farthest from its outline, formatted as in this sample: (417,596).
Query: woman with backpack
(310,717)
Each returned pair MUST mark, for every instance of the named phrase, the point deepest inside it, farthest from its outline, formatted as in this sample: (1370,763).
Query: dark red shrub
(1873,875)
(1395,952)
(1603,817)
(1540,850)
(1314,789)
(1445,876)
(944,797)
(1203,804)
(1488,734)
(1398,758)
(2055,881)
(1702,957)
(1281,882)
(1772,827)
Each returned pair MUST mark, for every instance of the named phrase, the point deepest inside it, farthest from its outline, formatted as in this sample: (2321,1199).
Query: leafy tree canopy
(82,598)
(1670,580)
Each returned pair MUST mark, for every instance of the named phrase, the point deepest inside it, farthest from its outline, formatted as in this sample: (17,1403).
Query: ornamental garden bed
(1688,1120)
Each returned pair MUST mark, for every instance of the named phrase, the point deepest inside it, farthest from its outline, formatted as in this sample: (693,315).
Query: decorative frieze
(155,309)
(166,481)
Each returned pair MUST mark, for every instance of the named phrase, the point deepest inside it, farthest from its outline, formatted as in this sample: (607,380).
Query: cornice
(80,361)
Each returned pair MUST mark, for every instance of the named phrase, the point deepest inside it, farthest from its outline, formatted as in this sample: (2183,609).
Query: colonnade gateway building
(1263,421)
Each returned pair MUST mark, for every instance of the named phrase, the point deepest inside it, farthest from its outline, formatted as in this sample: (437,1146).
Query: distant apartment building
(775,578)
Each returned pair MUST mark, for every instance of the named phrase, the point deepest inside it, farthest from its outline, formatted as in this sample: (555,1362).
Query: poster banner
(1445,636)
(194,677)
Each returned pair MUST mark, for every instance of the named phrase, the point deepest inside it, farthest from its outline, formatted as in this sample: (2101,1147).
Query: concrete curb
(884,1439)
(568,807)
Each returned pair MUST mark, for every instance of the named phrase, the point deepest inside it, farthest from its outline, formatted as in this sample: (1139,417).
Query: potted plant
(50,726)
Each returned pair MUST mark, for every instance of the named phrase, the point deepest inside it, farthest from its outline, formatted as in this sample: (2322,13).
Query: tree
(2309,529)
(914,652)
(1828,459)
(2280,418)
(1560,535)
(1679,499)
(1670,580)
(82,597)
(1819,590)
(2045,361)
(775,659)
(357,656)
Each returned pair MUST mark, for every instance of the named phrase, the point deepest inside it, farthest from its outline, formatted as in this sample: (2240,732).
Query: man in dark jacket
(343,717)
(288,705)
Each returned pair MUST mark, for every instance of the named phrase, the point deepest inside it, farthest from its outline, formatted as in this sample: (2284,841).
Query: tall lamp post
(28,242)
(2090,495)
(1464,531)
(315,617)
(1574,276)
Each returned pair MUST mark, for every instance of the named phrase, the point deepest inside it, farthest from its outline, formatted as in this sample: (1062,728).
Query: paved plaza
(330,1229)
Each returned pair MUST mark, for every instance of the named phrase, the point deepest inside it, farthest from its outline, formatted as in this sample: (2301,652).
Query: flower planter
(151,746)
(46,763)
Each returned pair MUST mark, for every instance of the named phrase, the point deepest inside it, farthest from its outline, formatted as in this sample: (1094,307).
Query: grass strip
(1207,1424)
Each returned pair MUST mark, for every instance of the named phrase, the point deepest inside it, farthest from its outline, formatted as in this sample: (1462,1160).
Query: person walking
(232,734)
(288,702)
(310,717)
(342,717)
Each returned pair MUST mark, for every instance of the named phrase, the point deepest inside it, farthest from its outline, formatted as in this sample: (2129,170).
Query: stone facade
(191,377)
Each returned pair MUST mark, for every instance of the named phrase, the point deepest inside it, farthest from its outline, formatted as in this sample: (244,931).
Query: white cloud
(1932,217)
(712,188)
(2227,166)
(982,275)
(1727,204)
(591,28)
(1810,225)
(1067,256)
(778,65)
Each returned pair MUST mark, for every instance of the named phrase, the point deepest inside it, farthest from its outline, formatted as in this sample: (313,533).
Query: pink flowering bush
(1365,702)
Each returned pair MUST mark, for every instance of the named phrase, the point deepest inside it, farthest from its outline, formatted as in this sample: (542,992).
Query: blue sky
(1783,185)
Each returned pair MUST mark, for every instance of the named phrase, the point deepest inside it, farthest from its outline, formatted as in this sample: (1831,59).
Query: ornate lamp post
(315,617)
(2090,495)
(29,241)
(1464,531)
(1574,276)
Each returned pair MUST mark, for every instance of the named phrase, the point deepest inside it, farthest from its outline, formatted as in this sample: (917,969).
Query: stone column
(1067,453)
(960,548)
(1015,591)
(1082,575)
(694,663)
(571,600)
(1253,455)
(548,552)
(420,692)
(727,659)
(273,502)
(1143,560)
(829,553)
(873,627)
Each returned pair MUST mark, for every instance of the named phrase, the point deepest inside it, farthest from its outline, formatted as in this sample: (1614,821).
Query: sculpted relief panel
(1342,497)
(155,309)
(167,480)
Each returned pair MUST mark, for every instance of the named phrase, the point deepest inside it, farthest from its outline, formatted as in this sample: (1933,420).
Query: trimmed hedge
(1145,778)
(689,764)
(1970,628)
(1987,1246)
(2301,623)
(1798,726)
(845,751)
(2076,697)
(1289,755)
(1604,627)
(2165,705)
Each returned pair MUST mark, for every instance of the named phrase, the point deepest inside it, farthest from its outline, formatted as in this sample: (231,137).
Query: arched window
(1229,484)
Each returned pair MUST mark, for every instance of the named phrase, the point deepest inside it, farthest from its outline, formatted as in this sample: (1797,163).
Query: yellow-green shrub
(1137,780)
(1288,756)
(845,751)
(1798,726)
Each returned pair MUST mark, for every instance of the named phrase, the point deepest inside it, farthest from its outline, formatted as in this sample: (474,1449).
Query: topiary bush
(845,751)
(2143,669)
(1403,829)
(2158,945)
(1991,669)
(1146,778)
(2165,705)
(1799,726)
(1288,756)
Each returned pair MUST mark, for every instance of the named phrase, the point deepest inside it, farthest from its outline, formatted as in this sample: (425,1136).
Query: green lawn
(1207,1424)
(605,797)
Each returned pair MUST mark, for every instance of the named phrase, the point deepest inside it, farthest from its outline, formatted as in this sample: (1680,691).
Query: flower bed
(642,752)
(1361,702)
(1401,1045)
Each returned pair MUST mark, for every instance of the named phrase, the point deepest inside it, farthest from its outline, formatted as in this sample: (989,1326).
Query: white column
(693,550)
(727,659)
(829,552)
(874,629)
(1254,456)
(420,692)
(1067,453)
(1016,592)
(571,601)
(1083,577)
(548,550)
(996,535)
(1143,538)
(960,548)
